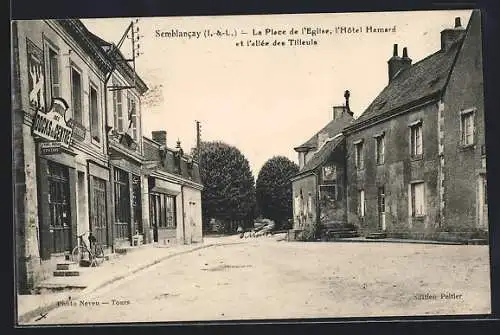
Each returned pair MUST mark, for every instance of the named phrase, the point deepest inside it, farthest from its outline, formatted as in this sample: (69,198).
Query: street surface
(261,278)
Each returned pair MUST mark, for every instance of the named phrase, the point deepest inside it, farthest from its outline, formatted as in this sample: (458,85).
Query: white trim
(361,140)
(415,123)
(468,111)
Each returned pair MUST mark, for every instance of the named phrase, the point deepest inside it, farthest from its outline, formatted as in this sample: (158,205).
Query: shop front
(99,200)
(127,199)
(164,216)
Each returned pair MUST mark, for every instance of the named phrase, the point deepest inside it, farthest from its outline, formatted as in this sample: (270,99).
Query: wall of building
(463,165)
(308,185)
(193,217)
(41,34)
(395,174)
(333,211)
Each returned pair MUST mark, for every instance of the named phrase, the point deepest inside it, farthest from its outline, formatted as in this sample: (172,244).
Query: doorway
(381,208)
(59,208)
(98,210)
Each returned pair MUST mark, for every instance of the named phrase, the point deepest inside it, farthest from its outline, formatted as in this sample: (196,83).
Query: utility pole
(198,141)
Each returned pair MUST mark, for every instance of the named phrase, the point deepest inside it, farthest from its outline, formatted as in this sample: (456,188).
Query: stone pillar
(148,232)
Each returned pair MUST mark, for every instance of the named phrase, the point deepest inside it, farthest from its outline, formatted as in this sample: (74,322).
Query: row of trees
(232,195)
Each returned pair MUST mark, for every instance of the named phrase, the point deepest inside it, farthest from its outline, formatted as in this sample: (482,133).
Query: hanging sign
(50,148)
(52,125)
(36,76)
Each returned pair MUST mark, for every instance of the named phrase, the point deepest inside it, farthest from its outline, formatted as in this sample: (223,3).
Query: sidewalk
(91,279)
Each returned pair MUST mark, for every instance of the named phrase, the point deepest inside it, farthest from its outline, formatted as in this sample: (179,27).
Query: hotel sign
(52,125)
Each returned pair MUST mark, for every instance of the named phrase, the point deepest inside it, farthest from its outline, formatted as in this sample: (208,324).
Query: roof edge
(406,108)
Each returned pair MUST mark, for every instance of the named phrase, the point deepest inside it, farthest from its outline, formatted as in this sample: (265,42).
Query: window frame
(413,199)
(468,114)
(118,121)
(74,68)
(164,218)
(361,203)
(97,127)
(51,47)
(132,101)
(380,143)
(413,127)
(359,159)
(121,188)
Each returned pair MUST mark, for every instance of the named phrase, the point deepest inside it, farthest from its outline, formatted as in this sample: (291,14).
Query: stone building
(124,119)
(416,158)
(319,192)
(60,164)
(174,188)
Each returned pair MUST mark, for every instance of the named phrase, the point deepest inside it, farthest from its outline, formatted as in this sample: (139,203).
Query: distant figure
(240,231)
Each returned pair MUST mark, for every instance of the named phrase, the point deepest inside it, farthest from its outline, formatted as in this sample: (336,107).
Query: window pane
(54,73)
(94,115)
(76,92)
(118,111)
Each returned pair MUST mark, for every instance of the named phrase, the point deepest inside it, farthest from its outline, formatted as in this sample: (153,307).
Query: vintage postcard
(253,167)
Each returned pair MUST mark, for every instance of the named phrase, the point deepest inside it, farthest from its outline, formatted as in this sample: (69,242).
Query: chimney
(338,111)
(397,64)
(347,94)
(450,36)
(160,136)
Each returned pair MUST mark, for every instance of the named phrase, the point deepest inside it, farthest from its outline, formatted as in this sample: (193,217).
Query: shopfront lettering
(52,125)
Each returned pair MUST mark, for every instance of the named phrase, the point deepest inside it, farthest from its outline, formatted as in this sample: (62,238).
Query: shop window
(122,203)
(162,210)
(59,207)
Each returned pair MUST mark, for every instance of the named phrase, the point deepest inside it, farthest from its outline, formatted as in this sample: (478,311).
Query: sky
(266,100)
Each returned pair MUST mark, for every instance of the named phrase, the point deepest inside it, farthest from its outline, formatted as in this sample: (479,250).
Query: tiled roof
(322,155)
(333,128)
(423,79)
(152,153)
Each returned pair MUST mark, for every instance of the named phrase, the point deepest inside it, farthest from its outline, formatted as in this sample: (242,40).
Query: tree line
(232,197)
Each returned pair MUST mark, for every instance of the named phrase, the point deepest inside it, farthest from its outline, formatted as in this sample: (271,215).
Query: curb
(27,316)
(397,241)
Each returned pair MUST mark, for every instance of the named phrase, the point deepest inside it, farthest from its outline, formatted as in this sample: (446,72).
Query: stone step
(477,241)
(343,234)
(66,266)
(376,236)
(66,273)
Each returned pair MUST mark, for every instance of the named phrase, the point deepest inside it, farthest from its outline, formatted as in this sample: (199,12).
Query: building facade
(81,166)
(174,188)
(125,145)
(416,158)
(319,189)
(60,164)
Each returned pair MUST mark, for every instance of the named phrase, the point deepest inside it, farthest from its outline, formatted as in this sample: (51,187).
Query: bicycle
(95,256)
